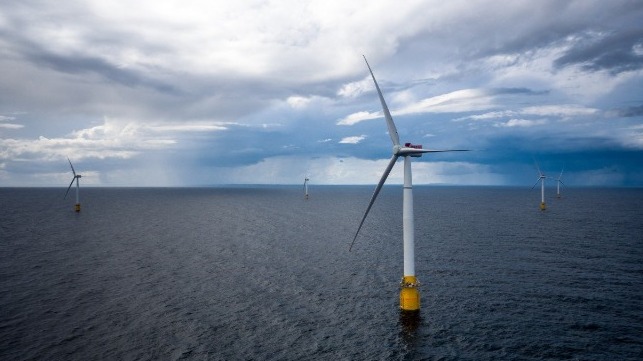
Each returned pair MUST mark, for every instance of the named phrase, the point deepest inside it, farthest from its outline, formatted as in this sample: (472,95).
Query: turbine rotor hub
(396,149)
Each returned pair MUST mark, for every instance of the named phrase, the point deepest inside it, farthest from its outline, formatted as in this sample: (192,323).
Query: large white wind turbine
(409,293)
(76,178)
(541,179)
(559,182)
(306,187)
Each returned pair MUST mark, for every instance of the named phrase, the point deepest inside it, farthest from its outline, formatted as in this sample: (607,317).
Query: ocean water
(261,273)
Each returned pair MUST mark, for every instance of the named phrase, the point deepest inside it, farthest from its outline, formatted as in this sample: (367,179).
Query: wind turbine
(559,182)
(409,293)
(76,178)
(541,179)
(306,187)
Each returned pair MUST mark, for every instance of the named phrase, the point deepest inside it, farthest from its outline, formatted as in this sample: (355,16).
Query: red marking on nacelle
(414,146)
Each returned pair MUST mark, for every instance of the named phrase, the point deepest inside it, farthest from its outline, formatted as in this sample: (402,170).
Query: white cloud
(458,101)
(184,127)
(464,100)
(524,123)
(352,140)
(4,118)
(298,102)
(355,89)
(490,115)
(11,126)
(112,139)
(355,118)
(638,49)
(564,110)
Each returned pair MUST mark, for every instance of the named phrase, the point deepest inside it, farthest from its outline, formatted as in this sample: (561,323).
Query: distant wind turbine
(76,178)
(409,293)
(541,179)
(306,187)
(559,182)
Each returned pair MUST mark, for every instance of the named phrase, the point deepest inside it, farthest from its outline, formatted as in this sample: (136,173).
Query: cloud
(4,118)
(525,123)
(458,101)
(615,52)
(352,140)
(631,112)
(170,91)
(355,89)
(298,102)
(193,127)
(355,118)
(490,115)
(112,139)
(11,126)
(565,110)
(464,100)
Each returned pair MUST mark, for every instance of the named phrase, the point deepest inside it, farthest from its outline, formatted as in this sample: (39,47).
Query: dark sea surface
(261,273)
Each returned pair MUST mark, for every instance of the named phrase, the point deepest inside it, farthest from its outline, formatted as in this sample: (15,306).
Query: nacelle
(414,146)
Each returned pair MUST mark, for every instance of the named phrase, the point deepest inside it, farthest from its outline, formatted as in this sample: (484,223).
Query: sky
(197,93)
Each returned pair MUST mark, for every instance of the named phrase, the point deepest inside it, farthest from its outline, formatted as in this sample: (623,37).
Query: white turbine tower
(559,182)
(76,178)
(306,187)
(409,293)
(541,179)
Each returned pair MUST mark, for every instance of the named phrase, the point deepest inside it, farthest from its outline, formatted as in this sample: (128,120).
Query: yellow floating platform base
(543,206)
(409,294)
(77,207)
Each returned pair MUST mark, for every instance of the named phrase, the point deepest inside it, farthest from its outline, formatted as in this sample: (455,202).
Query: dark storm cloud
(81,64)
(615,53)
(631,112)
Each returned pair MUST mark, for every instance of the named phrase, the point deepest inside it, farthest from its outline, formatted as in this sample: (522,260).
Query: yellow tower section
(409,294)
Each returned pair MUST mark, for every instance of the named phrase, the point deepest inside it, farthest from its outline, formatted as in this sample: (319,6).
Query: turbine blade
(392,131)
(537,167)
(390,165)
(72,167)
(442,150)
(561,173)
(536,183)
(68,188)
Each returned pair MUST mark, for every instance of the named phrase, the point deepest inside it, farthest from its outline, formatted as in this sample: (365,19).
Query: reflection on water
(409,321)
(409,336)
